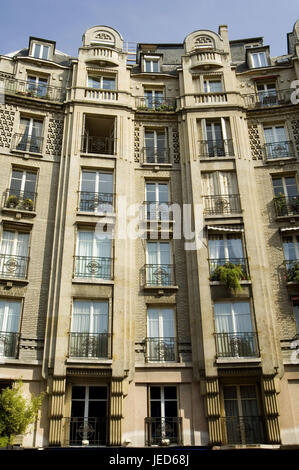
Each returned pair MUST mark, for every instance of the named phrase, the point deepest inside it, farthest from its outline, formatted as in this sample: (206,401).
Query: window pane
(170,393)
(37,49)
(108,83)
(155,66)
(171,409)
(45,52)
(78,393)
(155,393)
(98,393)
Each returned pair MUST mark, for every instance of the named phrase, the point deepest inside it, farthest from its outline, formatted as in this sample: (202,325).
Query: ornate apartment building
(149,240)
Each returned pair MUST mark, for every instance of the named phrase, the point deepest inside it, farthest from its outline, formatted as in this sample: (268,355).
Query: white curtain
(9,315)
(242,317)
(234,246)
(289,248)
(227,183)
(85,243)
(160,323)
(90,317)
(223,317)
(216,247)
(7,243)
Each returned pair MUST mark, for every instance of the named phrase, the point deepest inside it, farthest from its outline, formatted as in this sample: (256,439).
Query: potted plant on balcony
(280,204)
(28,204)
(12,201)
(293,273)
(229,274)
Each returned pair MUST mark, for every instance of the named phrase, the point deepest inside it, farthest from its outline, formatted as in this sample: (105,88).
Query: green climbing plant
(17,413)
(229,274)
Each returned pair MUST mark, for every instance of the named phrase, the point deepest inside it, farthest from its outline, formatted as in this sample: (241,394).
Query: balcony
(100,94)
(19,200)
(27,143)
(156,156)
(268,98)
(95,202)
(216,148)
(286,205)
(98,145)
(90,345)
(208,59)
(159,105)
(163,430)
(92,267)
(229,262)
(80,431)
(278,150)
(157,211)
(29,89)
(234,345)
(161,349)
(9,343)
(292,270)
(222,204)
(13,266)
(243,430)
(159,275)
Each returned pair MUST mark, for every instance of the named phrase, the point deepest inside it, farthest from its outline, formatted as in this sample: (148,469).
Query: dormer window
(40,51)
(259,59)
(151,64)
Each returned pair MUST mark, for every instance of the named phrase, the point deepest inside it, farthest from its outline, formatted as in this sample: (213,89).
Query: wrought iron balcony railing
(95,202)
(159,275)
(13,266)
(157,211)
(267,98)
(155,104)
(27,143)
(216,262)
(222,204)
(244,430)
(161,349)
(9,343)
(33,90)
(292,270)
(95,345)
(98,145)
(22,200)
(237,344)
(163,429)
(286,205)
(79,430)
(93,267)
(283,149)
(156,155)
(216,148)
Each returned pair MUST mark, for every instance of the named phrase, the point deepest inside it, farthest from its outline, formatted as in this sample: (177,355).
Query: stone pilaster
(57,395)
(116,411)
(271,409)
(212,401)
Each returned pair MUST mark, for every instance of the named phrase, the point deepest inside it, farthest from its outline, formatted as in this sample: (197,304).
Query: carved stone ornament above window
(105,37)
(203,41)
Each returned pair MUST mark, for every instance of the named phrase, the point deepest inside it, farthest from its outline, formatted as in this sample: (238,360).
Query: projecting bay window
(159,270)
(99,135)
(89,337)
(216,138)
(93,255)
(21,194)
(286,197)
(163,427)
(101,83)
(96,191)
(29,138)
(277,144)
(220,193)
(10,312)
(234,331)
(212,86)
(161,344)
(226,249)
(14,254)
(156,149)
(291,254)
(243,423)
(157,201)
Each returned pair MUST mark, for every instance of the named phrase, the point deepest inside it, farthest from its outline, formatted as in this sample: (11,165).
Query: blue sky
(64,21)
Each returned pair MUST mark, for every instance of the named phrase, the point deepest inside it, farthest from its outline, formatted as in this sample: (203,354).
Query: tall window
(277,145)
(22,189)
(96,193)
(93,255)
(267,93)
(217,141)
(285,186)
(101,83)
(163,422)
(14,254)
(224,248)
(286,199)
(10,311)
(29,138)
(213,86)
(242,415)
(221,193)
(159,270)
(156,146)
(291,254)
(89,413)
(40,51)
(37,85)
(161,345)
(89,329)
(153,98)
(234,330)
(157,201)
(296,313)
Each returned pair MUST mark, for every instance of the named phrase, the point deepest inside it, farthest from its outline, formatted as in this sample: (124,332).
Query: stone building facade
(149,245)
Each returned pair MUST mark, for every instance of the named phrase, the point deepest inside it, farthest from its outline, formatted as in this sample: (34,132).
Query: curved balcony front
(208,59)
(101,55)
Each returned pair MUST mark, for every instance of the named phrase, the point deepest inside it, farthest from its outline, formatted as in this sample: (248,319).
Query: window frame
(42,47)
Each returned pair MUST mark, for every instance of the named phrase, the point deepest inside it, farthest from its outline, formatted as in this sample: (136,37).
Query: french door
(10,312)
(161,335)
(96,191)
(93,255)
(159,268)
(14,254)
(163,422)
(157,201)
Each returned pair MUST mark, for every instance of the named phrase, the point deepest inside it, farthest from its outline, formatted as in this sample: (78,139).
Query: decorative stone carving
(104,36)
(203,41)
(55,134)
(137,142)
(255,142)
(176,145)
(295,130)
